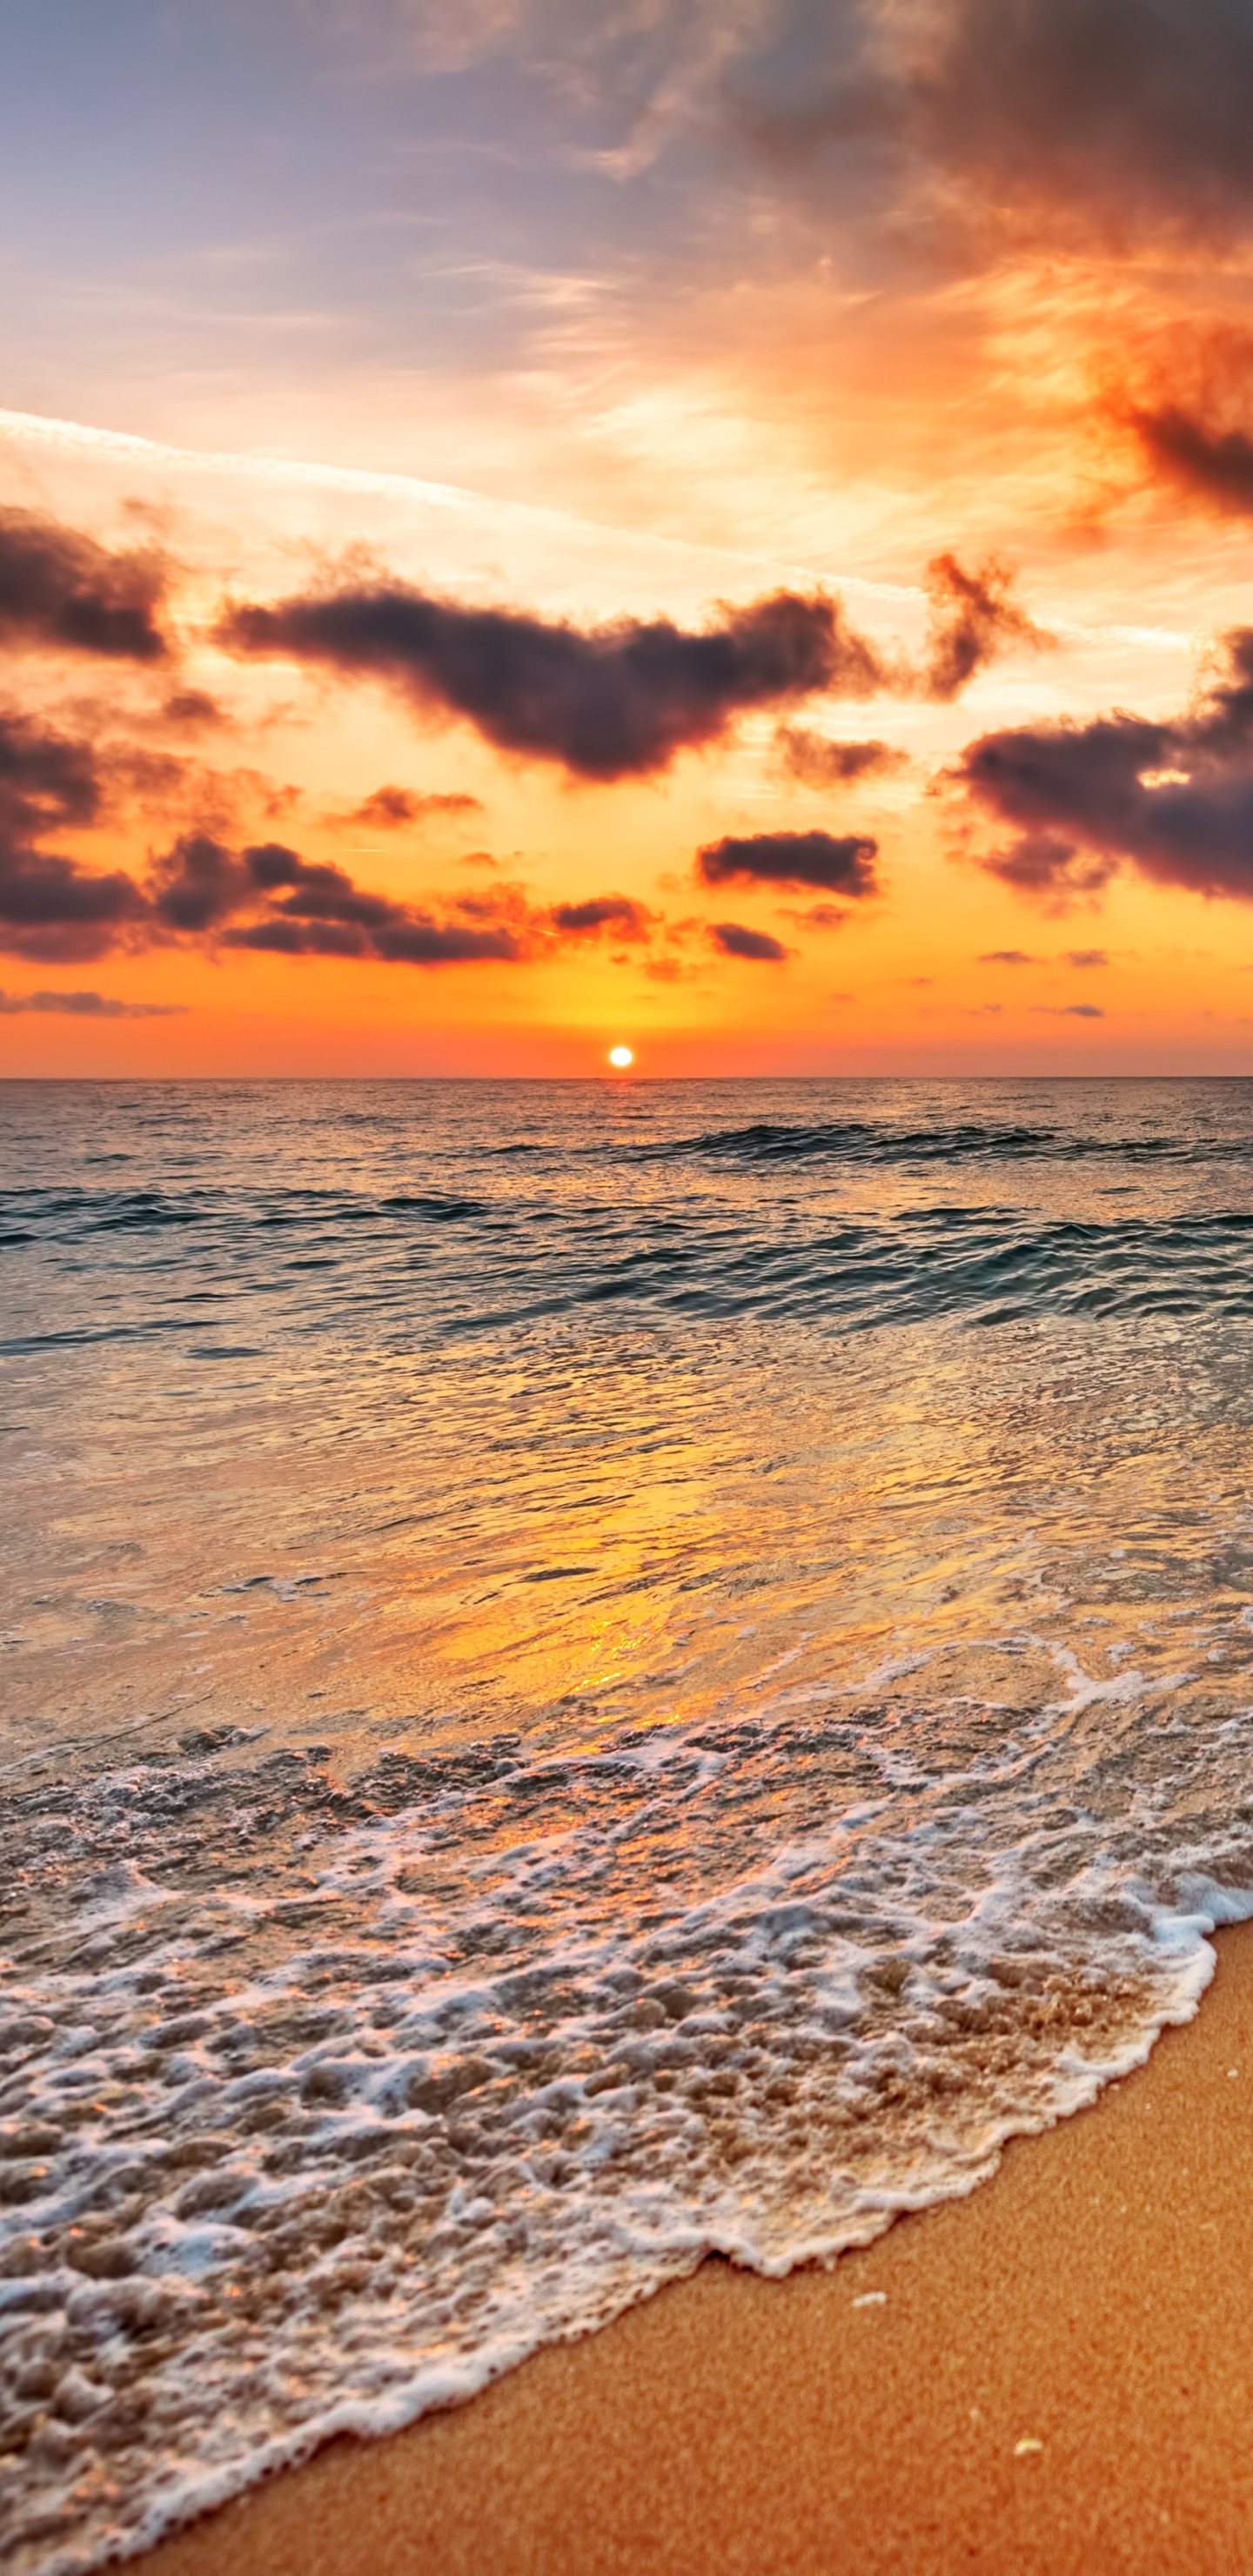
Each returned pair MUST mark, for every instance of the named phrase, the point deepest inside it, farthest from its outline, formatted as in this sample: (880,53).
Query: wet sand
(1094,2302)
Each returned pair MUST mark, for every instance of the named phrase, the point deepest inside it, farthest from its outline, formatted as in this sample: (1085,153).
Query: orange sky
(641,315)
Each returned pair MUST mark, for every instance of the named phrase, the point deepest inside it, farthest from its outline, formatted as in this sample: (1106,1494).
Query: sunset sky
(715,525)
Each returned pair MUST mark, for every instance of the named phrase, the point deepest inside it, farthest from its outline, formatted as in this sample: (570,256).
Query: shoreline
(1054,2374)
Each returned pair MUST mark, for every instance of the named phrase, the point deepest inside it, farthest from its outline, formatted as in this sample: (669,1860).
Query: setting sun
(621,1057)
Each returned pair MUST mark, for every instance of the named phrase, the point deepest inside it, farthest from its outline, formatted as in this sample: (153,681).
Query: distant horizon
(573,1081)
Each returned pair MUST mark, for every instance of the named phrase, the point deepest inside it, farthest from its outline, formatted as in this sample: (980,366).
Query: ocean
(593,1673)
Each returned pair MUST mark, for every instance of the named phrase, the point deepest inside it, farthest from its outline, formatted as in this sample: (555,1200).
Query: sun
(621,1057)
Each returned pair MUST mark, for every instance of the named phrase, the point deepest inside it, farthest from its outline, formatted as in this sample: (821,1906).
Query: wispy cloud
(85,1006)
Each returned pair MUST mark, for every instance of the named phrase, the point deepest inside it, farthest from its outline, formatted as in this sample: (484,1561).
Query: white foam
(521,2038)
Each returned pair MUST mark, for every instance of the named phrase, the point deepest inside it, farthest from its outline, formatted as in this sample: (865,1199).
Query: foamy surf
(499,2045)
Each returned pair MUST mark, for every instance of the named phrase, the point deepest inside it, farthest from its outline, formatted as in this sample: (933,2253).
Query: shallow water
(591,1671)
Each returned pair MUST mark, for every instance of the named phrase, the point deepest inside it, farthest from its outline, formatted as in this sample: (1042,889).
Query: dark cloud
(735,941)
(843,866)
(974,617)
(197,884)
(267,897)
(617,701)
(1114,112)
(62,590)
(1217,463)
(1050,870)
(86,1006)
(55,912)
(394,809)
(1070,1011)
(1008,957)
(1187,399)
(50,907)
(616,912)
(192,711)
(411,939)
(203,890)
(309,909)
(1081,957)
(1078,119)
(815,760)
(1172,797)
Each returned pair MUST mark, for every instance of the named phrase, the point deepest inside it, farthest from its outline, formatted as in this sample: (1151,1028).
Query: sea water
(591,1672)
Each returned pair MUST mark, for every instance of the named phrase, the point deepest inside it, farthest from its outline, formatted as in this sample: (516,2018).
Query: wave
(429,1268)
(852,1141)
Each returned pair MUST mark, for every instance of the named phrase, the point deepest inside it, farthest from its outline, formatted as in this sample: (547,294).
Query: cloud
(1078,120)
(617,912)
(87,1006)
(973,619)
(1172,797)
(1070,1011)
(817,916)
(735,941)
(46,778)
(393,809)
(1081,117)
(202,890)
(412,939)
(815,760)
(1217,463)
(1008,957)
(268,898)
(842,866)
(192,711)
(1051,870)
(1187,399)
(306,908)
(63,591)
(604,703)
(1107,113)
(50,907)
(1081,957)
(198,883)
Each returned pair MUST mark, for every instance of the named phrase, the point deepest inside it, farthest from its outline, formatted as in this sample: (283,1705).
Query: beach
(1054,2374)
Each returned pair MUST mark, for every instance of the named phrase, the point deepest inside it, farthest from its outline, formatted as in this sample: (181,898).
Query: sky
(715,526)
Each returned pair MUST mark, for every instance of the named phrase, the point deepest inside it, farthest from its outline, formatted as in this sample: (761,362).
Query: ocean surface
(590,1672)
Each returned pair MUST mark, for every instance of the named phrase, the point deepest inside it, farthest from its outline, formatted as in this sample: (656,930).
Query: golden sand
(1056,2374)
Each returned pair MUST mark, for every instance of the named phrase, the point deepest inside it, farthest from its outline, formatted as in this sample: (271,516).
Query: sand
(1055,2374)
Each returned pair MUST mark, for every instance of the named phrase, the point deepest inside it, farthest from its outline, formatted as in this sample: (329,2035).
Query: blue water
(592,1671)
